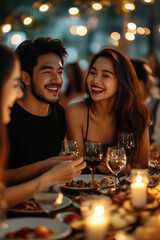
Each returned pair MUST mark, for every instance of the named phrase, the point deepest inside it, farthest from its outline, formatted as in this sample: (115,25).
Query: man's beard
(40,97)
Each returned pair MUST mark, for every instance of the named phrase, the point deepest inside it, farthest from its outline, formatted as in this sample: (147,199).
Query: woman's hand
(64,172)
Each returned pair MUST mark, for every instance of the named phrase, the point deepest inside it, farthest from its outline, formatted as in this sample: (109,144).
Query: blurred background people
(155,66)
(146,79)
(75,88)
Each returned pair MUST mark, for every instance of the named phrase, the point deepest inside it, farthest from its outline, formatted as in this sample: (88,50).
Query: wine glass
(127,141)
(70,148)
(116,161)
(93,155)
(48,198)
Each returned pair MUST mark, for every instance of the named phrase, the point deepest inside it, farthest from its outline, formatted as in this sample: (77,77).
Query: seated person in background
(114,105)
(145,76)
(154,64)
(37,125)
(75,86)
(9,92)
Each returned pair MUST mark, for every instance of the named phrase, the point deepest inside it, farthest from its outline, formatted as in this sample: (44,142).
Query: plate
(153,163)
(62,229)
(61,216)
(65,203)
(86,178)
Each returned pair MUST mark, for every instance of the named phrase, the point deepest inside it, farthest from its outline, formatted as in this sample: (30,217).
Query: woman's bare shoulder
(79,107)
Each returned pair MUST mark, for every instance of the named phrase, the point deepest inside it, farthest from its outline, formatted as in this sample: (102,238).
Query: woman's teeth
(97,89)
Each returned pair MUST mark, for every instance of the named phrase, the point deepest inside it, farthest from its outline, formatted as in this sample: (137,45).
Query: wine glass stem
(92,171)
(115,181)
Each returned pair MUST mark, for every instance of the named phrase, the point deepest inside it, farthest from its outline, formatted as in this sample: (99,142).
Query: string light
(27,20)
(140,30)
(129,36)
(16,39)
(148,1)
(147,31)
(73,11)
(6,28)
(129,6)
(73,30)
(44,8)
(97,6)
(81,30)
(132,26)
(115,36)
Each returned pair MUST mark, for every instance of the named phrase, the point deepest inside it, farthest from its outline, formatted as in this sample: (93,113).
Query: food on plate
(72,217)
(81,184)
(28,205)
(75,221)
(149,230)
(154,179)
(30,233)
(105,182)
(121,220)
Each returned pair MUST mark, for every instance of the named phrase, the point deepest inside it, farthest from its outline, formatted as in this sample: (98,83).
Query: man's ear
(25,78)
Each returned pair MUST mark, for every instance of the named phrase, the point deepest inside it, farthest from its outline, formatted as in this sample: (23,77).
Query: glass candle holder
(96,217)
(139,181)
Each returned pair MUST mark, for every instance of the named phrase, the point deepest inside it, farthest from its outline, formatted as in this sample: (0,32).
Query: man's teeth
(53,89)
(97,89)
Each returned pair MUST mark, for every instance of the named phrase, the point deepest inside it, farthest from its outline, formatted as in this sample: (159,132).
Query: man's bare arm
(28,172)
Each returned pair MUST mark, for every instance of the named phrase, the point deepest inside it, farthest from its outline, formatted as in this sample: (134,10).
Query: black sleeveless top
(104,146)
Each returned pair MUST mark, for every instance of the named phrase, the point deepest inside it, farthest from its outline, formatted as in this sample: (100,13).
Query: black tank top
(104,146)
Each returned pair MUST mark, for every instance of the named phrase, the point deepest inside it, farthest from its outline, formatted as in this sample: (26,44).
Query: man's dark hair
(29,51)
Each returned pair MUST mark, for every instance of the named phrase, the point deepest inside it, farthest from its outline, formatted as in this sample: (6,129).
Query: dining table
(119,197)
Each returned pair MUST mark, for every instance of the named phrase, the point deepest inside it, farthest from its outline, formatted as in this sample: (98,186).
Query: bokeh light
(27,21)
(140,30)
(132,26)
(97,6)
(6,28)
(81,30)
(115,36)
(16,39)
(129,36)
(44,8)
(73,11)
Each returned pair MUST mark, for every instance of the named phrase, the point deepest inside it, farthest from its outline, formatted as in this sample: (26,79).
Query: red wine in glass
(93,155)
(92,163)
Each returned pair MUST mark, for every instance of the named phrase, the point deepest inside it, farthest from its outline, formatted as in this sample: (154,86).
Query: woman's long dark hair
(7,61)
(131,115)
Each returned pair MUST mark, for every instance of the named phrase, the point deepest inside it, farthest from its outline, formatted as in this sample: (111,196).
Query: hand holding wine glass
(93,156)
(70,148)
(116,160)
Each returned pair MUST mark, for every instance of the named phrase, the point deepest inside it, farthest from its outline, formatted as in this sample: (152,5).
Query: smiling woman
(114,105)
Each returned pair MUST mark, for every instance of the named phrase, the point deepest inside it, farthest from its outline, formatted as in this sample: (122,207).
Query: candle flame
(139,179)
(99,210)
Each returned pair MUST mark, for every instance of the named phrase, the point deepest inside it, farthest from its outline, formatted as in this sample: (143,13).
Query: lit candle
(139,193)
(96,224)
